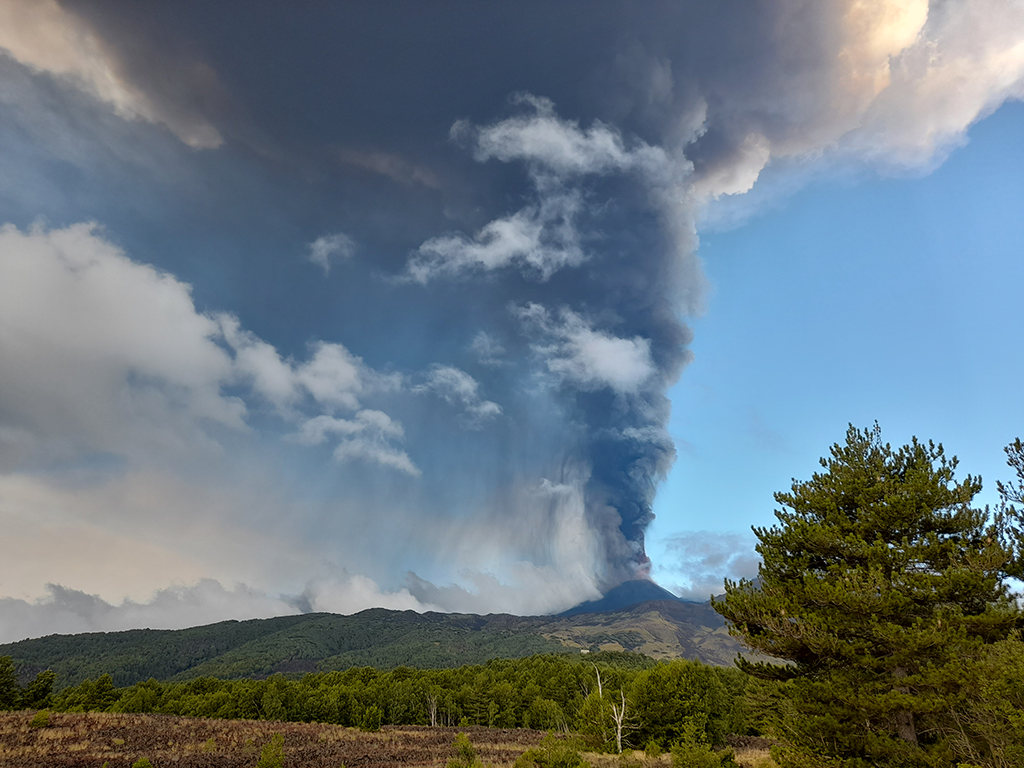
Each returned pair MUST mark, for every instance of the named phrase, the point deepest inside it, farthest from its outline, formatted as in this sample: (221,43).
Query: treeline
(664,703)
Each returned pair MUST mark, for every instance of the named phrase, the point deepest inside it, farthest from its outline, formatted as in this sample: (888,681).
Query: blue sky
(855,300)
(475,307)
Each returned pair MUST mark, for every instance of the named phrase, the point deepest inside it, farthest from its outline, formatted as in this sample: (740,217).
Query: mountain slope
(377,637)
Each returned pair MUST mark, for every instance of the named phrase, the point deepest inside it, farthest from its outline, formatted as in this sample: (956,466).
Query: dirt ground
(90,740)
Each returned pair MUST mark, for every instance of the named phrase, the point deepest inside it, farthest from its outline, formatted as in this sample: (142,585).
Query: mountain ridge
(312,642)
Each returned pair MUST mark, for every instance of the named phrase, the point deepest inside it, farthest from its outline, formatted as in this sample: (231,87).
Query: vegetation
(1011,517)
(273,753)
(661,702)
(318,642)
(553,753)
(35,695)
(122,740)
(465,754)
(883,589)
(41,719)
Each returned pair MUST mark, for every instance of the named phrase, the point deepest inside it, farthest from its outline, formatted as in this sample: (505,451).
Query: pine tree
(879,582)
(1011,518)
(39,693)
(10,692)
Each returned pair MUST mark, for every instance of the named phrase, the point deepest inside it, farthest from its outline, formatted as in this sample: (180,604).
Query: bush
(372,719)
(692,750)
(694,755)
(465,753)
(553,753)
(653,749)
(272,755)
(41,720)
(142,762)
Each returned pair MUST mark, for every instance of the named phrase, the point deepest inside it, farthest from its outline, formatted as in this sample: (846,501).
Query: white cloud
(334,379)
(587,358)
(45,37)
(966,60)
(456,386)
(101,353)
(897,84)
(373,448)
(129,534)
(315,431)
(706,559)
(487,349)
(542,238)
(334,376)
(331,247)
(259,363)
(70,611)
(357,593)
(370,436)
(551,144)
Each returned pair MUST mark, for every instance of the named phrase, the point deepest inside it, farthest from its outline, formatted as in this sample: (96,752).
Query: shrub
(41,720)
(465,753)
(142,762)
(272,755)
(553,753)
(694,751)
(372,719)
(694,755)
(653,749)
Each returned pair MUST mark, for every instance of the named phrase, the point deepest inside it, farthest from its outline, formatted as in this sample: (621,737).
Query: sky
(481,308)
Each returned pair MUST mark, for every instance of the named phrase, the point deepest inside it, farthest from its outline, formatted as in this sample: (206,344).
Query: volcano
(626,594)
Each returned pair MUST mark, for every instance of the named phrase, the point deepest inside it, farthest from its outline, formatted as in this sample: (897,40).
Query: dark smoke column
(597,268)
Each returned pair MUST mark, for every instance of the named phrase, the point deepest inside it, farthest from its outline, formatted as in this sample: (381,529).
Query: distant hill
(662,629)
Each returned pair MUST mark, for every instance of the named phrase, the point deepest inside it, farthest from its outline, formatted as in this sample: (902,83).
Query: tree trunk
(905,726)
(619,716)
(432,709)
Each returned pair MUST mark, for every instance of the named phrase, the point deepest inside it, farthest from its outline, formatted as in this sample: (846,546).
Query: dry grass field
(90,740)
(94,739)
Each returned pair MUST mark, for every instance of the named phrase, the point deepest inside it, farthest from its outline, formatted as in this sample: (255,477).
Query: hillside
(663,629)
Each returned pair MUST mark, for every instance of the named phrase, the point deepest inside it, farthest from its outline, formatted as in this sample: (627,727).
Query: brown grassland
(92,739)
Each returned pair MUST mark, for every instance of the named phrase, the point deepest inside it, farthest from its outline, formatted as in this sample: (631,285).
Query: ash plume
(605,338)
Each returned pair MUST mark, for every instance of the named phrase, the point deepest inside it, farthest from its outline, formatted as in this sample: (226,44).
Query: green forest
(667,702)
(884,602)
